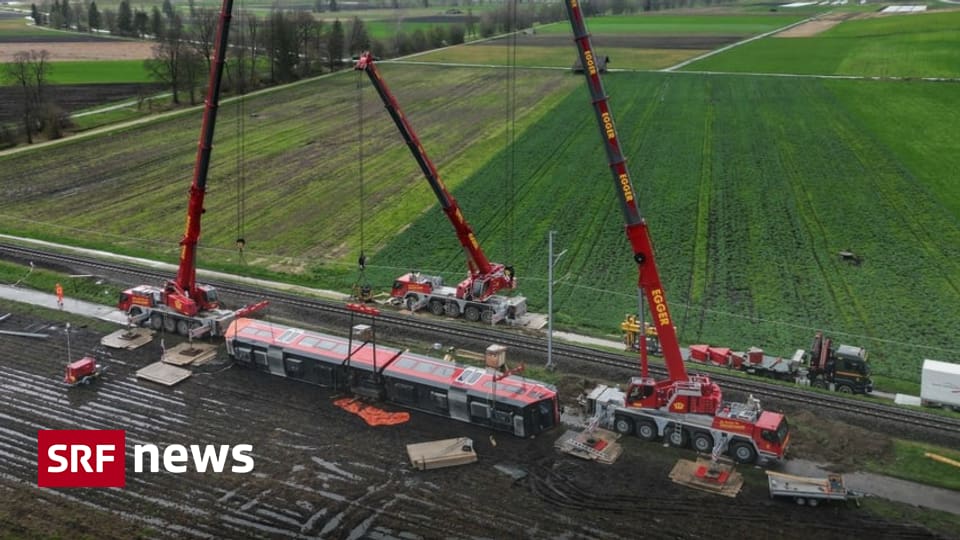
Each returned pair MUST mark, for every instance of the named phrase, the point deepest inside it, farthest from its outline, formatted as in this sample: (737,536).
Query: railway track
(329,312)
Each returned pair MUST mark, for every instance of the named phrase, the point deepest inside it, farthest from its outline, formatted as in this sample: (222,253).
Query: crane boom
(476,259)
(186,279)
(636,226)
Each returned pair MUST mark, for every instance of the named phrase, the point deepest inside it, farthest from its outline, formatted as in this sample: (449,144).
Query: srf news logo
(96,458)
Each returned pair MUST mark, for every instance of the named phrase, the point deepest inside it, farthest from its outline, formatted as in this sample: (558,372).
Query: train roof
(405,365)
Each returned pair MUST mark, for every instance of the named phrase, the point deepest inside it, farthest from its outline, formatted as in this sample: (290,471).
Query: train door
(275,361)
(457,398)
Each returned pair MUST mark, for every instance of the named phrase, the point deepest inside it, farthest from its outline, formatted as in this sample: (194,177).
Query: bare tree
(205,29)
(166,66)
(29,71)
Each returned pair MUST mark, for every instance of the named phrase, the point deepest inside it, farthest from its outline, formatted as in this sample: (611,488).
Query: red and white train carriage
(521,406)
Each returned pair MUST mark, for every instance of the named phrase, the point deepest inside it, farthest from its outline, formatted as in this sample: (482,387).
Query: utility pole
(552,261)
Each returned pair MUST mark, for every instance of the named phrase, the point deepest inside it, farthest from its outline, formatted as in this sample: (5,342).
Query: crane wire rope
(241,141)
(510,122)
(361,289)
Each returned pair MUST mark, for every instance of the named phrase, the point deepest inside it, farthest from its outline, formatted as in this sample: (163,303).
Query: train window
(424,367)
(536,393)
(469,376)
(444,371)
(294,366)
(439,399)
(249,331)
(309,341)
(502,417)
(479,410)
(242,354)
(504,387)
(289,335)
(406,392)
(328,345)
(406,363)
(260,358)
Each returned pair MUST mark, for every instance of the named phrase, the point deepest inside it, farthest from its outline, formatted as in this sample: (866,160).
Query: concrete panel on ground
(128,338)
(164,374)
(187,353)
(442,453)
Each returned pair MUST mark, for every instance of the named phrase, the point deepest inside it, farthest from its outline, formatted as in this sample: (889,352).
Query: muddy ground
(321,472)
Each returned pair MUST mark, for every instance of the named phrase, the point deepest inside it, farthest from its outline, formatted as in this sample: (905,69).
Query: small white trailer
(809,490)
(940,384)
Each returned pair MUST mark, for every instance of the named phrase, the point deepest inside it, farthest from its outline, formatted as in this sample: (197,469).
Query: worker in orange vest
(59,290)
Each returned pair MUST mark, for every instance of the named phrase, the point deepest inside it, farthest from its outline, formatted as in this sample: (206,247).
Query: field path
(737,44)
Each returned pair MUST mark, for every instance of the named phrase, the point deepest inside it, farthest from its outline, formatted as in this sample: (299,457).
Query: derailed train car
(486,397)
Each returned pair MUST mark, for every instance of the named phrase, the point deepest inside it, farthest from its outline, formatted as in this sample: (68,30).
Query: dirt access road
(321,472)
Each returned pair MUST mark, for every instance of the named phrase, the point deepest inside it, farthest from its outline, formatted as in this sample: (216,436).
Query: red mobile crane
(183,305)
(476,296)
(683,408)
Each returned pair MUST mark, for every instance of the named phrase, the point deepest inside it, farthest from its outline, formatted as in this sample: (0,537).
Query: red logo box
(81,458)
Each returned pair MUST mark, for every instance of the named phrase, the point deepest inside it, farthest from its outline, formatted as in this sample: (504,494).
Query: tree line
(279,47)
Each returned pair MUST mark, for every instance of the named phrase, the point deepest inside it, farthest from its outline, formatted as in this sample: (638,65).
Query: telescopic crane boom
(684,409)
(636,226)
(485,279)
(182,304)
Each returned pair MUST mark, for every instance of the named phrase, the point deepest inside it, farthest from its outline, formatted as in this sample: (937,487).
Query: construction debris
(442,453)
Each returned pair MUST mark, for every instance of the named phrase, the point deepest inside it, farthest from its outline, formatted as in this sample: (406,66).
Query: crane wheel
(703,442)
(677,436)
(169,324)
(743,453)
(451,309)
(487,316)
(623,425)
(647,430)
(472,313)
(183,328)
(156,321)
(436,307)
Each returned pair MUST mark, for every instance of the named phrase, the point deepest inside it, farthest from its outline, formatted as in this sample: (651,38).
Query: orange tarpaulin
(373,416)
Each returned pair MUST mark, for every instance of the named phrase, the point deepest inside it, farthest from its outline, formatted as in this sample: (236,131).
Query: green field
(98,72)
(920,45)
(752,186)
(725,25)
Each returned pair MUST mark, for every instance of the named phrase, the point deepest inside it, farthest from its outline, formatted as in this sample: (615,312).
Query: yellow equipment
(631,335)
